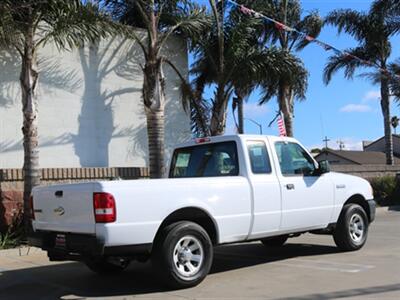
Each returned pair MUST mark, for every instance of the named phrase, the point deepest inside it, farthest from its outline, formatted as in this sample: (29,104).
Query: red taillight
(202,140)
(104,208)
(32,212)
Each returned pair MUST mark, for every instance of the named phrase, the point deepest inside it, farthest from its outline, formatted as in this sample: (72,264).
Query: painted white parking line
(325,265)
(306,263)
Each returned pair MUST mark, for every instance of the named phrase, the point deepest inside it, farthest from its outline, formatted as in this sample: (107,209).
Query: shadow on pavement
(238,256)
(394,208)
(76,281)
(349,293)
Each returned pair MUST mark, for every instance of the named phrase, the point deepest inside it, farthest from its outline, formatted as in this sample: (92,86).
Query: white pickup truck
(220,190)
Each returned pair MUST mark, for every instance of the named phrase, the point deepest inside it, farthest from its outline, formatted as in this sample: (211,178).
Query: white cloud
(372,95)
(253,110)
(356,108)
(349,144)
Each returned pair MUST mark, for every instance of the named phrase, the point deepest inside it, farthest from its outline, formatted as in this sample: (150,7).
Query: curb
(388,209)
(20,251)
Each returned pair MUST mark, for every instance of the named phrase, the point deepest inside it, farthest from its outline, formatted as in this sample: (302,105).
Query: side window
(294,160)
(259,159)
(208,160)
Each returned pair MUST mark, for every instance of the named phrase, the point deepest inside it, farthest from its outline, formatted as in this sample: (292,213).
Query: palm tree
(229,58)
(25,27)
(293,84)
(394,121)
(161,19)
(372,30)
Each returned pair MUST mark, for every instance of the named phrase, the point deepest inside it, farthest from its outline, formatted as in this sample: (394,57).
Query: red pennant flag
(366,62)
(245,10)
(280,26)
(309,38)
(348,55)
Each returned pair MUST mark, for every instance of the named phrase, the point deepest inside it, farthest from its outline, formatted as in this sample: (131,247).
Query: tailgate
(64,208)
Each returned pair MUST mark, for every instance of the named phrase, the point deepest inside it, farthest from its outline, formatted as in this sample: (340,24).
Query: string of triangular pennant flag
(280,26)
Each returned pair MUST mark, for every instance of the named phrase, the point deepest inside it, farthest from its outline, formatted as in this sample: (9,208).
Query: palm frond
(10,32)
(70,24)
(289,69)
(346,61)
(311,25)
(350,21)
(395,80)
(189,20)
(373,77)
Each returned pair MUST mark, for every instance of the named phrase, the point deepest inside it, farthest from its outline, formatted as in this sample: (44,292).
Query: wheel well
(195,215)
(360,200)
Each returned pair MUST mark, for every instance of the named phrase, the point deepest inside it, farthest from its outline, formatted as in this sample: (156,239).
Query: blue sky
(343,110)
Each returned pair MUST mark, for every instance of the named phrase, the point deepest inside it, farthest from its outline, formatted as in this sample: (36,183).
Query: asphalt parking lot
(308,267)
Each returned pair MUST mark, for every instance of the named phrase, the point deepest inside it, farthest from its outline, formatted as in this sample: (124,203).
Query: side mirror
(324,167)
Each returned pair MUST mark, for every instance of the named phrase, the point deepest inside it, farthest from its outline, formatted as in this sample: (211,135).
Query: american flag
(281,126)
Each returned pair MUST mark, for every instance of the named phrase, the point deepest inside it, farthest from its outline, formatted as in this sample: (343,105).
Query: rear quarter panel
(142,205)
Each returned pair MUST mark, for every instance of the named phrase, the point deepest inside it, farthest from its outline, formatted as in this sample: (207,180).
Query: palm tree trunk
(218,118)
(28,82)
(385,105)
(155,133)
(285,100)
(240,114)
(154,102)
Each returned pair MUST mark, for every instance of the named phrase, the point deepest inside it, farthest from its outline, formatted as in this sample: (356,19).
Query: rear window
(208,160)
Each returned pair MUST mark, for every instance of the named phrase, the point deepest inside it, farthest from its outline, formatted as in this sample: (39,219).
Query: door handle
(290,186)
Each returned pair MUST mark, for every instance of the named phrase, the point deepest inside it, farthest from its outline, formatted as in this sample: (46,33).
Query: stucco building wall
(90,107)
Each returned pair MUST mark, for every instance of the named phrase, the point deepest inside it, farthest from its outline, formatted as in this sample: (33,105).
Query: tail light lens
(32,212)
(202,140)
(104,208)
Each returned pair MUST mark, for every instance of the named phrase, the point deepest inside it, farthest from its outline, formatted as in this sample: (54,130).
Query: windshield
(208,160)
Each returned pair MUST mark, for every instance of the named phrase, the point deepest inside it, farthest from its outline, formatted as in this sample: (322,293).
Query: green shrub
(14,234)
(386,190)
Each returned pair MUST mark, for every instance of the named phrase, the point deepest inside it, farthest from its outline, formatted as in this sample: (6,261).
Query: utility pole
(341,144)
(326,140)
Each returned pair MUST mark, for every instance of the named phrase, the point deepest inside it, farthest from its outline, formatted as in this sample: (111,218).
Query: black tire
(171,257)
(276,241)
(345,235)
(106,266)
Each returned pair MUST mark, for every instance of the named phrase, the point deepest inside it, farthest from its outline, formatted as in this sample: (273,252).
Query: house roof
(366,146)
(360,157)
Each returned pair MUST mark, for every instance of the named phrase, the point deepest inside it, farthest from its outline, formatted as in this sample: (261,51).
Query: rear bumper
(78,246)
(372,209)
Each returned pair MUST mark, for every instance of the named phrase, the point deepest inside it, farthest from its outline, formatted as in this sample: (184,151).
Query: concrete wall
(367,171)
(90,108)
